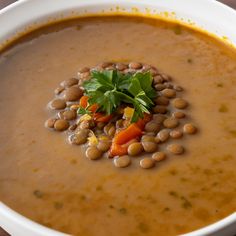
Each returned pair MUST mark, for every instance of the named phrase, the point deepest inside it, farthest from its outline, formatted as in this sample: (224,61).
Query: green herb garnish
(110,88)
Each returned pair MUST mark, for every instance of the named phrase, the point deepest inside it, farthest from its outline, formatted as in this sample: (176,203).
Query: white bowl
(23,15)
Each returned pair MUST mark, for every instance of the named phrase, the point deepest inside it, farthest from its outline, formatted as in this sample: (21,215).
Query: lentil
(70,82)
(152,126)
(93,153)
(57,104)
(104,145)
(178,115)
(180,103)
(169,93)
(135,65)
(161,100)
(122,161)
(61,125)
(176,134)
(189,129)
(149,146)
(147,163)
(160,109)
(135,149)
(69,115)
(50,123)
(158,156)
(171,123)
(175,149)
(73,93)
(163,135)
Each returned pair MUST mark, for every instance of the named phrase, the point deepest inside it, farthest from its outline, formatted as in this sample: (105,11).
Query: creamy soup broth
(53,183)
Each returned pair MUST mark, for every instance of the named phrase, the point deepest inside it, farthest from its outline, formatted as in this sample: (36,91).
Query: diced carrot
(142,122)
(93,108)
(83,102)
(99,117)
(120,150)
(124,136)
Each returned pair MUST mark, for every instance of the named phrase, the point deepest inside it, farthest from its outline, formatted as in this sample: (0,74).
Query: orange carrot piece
(99,117)
(120,150)
(124,136)
(142,122)
(83,102)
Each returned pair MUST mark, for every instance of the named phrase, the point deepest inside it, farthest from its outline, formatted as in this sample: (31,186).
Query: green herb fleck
(58,205)
(83,111)
(123,211)
(143,227)
(38,194)
(110,88)
(223,108)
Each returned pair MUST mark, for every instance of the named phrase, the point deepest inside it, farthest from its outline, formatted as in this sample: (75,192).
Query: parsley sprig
(110,88)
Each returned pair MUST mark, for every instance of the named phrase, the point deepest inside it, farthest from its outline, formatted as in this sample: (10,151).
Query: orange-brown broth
(88,198)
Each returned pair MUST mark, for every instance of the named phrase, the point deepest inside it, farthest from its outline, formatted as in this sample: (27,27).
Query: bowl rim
(21,221)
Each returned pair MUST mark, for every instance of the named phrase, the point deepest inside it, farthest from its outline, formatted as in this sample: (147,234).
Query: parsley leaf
(110,88)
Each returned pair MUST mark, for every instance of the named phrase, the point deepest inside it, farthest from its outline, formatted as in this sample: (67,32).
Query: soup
(53,183)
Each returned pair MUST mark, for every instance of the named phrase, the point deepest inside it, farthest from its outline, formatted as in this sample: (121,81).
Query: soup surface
(53,183)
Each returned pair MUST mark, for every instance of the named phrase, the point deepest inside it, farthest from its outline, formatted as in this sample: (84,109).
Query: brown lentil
(157,79)
(61,125)
(50,123)
(161,100)
(104,145)
(178,115)
(180,103)
(171,123)
(57,104)
(85,124)
(189,129)
(100,125)
(122,161)
(176,134)
(135,65)
(163,135)
(80,137)
(178,88)
(176,149)
(160,109)
(69,115)
(148,138)
(159,87)
(121,66)
(93,153)
(84,69)
(159,118)
(58,90)
(106,64)
(112,131)
(135,149)
(70,82)
(147,163)
(169,93)
(72,127)
(73,93)
(150,146)
(152,126)
(158,156)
